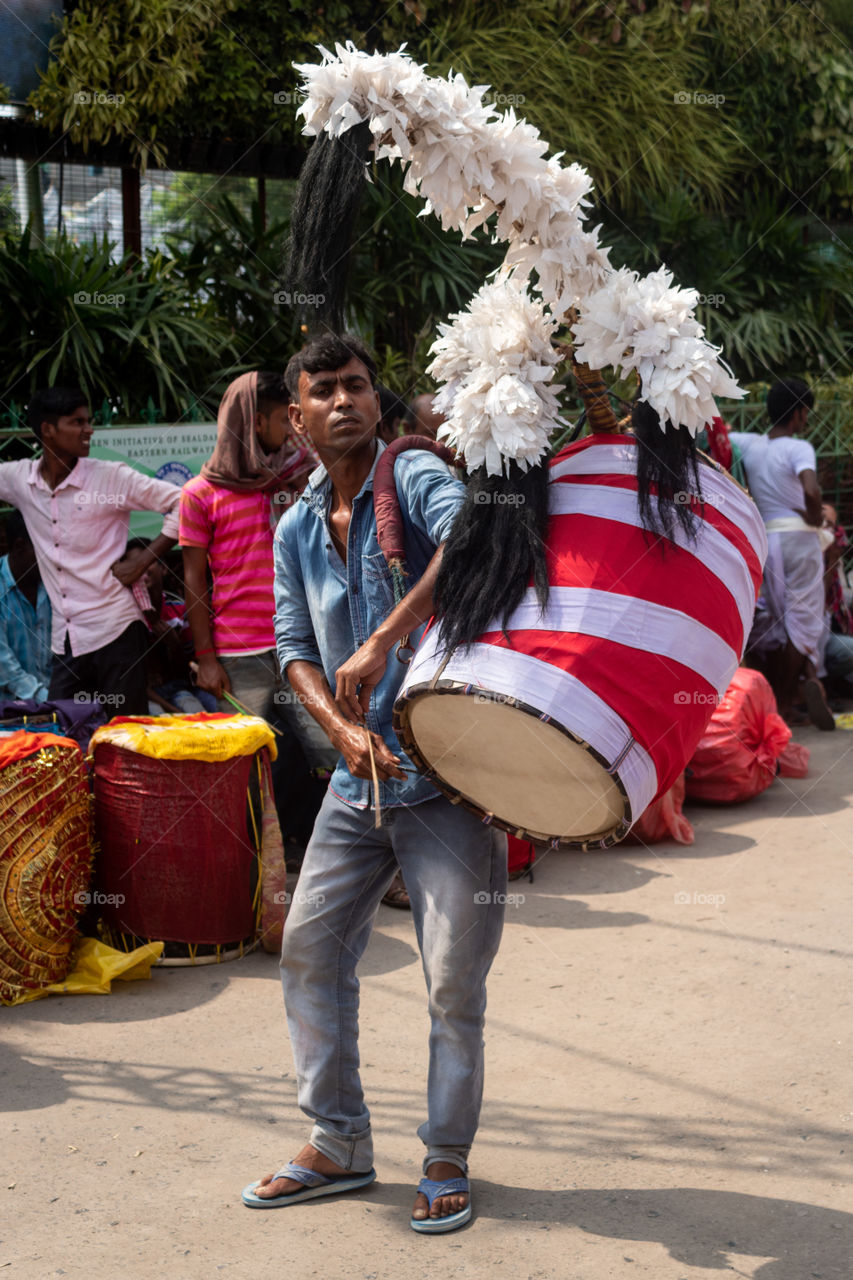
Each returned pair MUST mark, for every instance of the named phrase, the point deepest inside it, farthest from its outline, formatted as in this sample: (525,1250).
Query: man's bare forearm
(198,611)
(310,685)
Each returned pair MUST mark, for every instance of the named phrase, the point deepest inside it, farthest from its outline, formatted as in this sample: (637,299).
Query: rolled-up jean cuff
(352,1153)
(452,1155)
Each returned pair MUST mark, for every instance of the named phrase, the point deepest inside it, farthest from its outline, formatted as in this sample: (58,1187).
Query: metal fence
(84,201)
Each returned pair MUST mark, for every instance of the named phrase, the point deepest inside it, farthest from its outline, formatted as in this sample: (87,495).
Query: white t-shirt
(773,468)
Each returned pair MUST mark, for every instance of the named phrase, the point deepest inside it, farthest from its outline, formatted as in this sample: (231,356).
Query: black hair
(667,474)
(52,403)
(322,224)
(272,392)
(784,399)
(327,351)
(391,407)
(495,547)
(16,527)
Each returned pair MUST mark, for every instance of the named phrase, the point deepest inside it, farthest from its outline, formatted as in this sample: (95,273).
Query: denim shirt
(325,609)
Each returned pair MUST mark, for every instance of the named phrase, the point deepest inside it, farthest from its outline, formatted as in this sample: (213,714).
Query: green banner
(172,453)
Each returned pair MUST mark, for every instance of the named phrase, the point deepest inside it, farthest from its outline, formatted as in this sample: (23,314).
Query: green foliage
(602,82)
(789,71)
(119,67)
(774,296)
(407,274)
(233,261)
(123,331)
(247,85)
(771,142)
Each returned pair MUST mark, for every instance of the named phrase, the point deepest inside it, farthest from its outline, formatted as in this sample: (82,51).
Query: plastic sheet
(96,966)
(663,820)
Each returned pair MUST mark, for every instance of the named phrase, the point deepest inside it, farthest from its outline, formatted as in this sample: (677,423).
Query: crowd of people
(282,605)
(71,629)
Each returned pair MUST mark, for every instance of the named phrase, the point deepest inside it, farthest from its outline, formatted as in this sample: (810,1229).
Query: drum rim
(456,687)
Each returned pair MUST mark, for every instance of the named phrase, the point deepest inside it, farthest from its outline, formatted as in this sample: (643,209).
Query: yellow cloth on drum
(95,967)
(209,738)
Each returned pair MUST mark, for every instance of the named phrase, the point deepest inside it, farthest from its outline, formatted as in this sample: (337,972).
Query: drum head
(531,775)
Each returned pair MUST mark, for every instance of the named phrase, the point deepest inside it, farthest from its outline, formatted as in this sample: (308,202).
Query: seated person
(838,633)
(422,419)
(781,472)
(392,414)
(25,619)
(171,690)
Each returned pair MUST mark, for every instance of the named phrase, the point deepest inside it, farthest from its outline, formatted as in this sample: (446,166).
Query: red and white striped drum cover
(637,644)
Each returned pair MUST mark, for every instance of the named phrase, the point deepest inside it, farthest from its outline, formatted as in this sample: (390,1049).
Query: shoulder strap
(386,505)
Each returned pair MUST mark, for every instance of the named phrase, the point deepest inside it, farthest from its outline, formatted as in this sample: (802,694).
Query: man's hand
(212,676)
(358,677)
(809,517)
(131,566)
(351,741)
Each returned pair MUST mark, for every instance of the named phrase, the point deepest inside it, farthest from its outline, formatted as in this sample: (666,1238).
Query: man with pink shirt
(77,511)
(228,516)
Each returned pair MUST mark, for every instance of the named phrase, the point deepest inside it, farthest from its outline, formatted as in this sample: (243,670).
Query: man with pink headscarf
(227,519)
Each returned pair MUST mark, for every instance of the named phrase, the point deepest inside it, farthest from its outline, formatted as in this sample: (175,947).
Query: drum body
(566,732)
(45,862)
(176,861)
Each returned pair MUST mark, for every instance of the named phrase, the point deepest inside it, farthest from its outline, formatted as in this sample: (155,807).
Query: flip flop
(315,1184)
(819,713)
(433,1190)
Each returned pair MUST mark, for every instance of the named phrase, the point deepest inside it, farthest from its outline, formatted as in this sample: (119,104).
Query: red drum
(177,862)
(567,733)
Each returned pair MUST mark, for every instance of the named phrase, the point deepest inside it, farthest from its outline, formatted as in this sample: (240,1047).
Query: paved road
(667,1090)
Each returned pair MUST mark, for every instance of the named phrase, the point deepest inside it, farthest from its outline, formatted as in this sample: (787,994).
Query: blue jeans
(455,872)
(838,656)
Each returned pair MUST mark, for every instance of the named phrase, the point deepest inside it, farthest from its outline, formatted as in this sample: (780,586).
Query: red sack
(794,760)
(663,820)
(737,755)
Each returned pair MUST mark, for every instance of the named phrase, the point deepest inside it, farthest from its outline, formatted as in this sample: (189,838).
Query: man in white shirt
(77,510)
(782,476)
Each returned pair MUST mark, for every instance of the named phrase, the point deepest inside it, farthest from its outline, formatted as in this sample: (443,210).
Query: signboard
(172,453)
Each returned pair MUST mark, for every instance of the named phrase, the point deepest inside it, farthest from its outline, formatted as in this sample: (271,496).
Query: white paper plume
(644,323)
(496,362)
(469,163)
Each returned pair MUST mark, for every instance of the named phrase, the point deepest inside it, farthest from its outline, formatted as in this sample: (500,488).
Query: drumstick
(246,712)
(239,705)
(378,821)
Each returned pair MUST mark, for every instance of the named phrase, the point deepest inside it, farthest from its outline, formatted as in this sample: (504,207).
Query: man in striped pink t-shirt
(227,520)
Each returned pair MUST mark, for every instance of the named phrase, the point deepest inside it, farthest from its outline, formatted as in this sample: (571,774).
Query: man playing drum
(335,625)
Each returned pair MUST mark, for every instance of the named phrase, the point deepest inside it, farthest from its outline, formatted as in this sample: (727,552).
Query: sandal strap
(307,1177)
(435,1190)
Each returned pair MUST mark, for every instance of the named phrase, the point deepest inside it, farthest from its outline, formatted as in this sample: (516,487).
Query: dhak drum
(45,860)
(179,832)
(568,732)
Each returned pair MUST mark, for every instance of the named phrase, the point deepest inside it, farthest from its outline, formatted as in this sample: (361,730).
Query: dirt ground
(667,1083)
